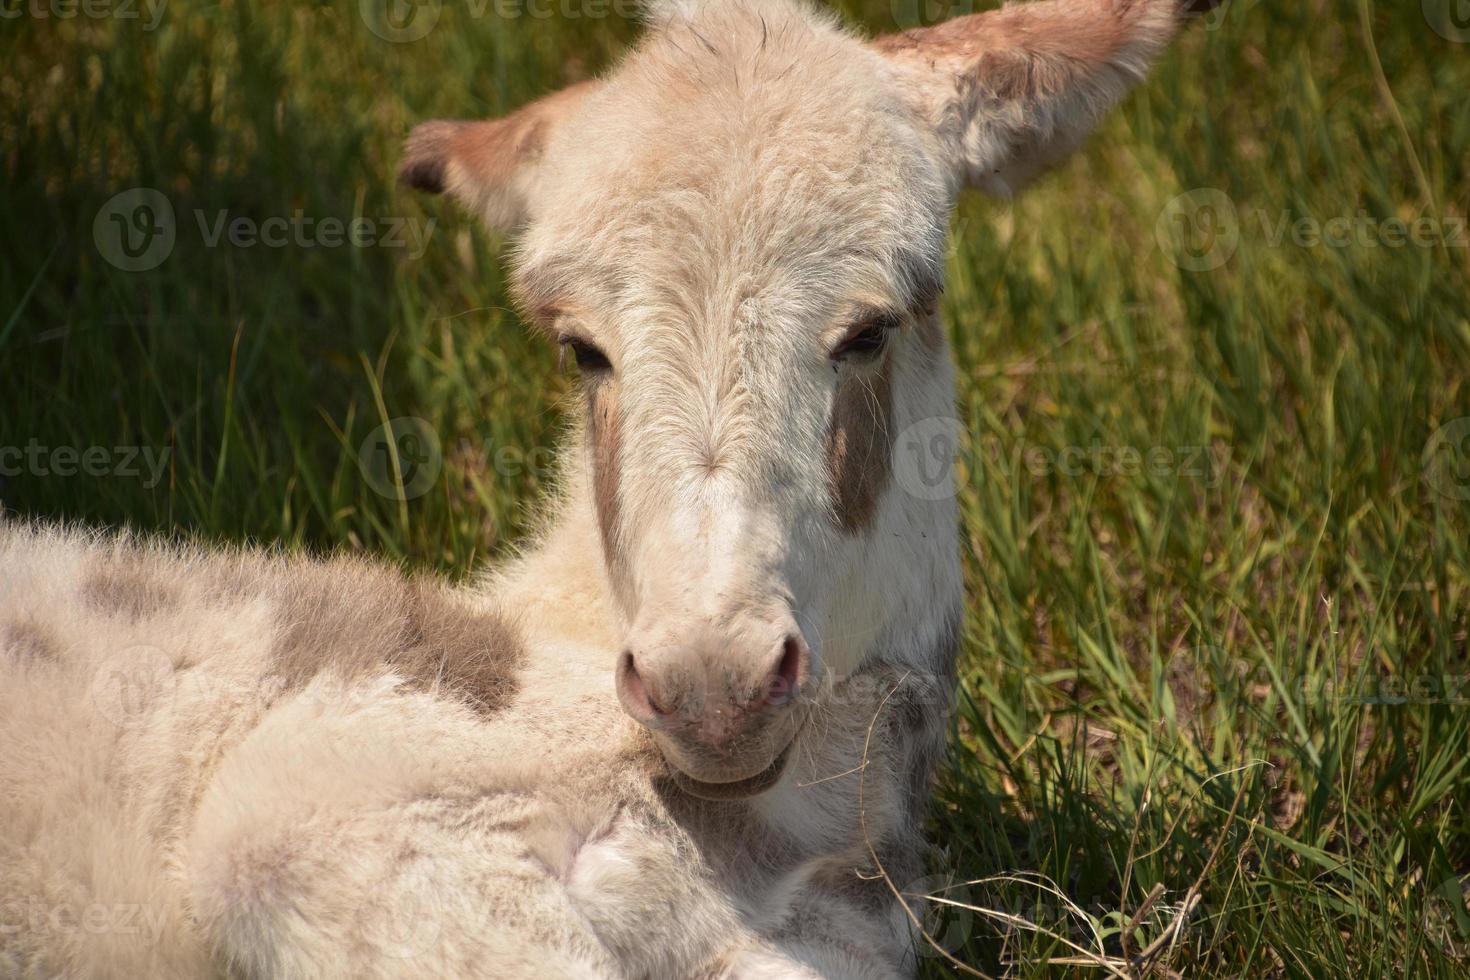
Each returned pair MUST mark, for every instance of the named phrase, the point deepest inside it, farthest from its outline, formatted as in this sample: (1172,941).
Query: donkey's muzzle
(723,728)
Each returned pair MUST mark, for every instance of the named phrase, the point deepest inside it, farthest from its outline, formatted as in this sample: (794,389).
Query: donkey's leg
(440,887)
(831,941)
(832,917)
(810,961)
(366,830)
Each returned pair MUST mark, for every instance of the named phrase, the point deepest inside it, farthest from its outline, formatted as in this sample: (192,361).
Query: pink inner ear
(487,165)
(1080,34)
(485,153)
(426,155)
(1014,91)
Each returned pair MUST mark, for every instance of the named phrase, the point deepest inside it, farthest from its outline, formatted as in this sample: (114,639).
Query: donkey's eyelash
(866,339)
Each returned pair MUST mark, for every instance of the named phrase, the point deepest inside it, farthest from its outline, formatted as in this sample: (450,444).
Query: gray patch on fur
(353,621)
(857,880)
(27,642)
(118,591)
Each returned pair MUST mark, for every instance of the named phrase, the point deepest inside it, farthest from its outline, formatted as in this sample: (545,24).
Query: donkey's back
(132,674)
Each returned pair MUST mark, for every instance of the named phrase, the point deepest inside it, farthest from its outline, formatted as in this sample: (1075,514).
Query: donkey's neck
(558,587)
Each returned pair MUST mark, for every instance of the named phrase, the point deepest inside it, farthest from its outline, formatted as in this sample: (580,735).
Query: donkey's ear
(1013,91)
(490,166)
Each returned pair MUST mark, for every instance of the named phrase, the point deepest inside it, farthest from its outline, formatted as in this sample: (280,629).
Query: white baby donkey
(690,732)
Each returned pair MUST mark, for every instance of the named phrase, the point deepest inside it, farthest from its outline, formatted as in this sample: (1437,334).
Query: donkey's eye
(589,357)
(866,340)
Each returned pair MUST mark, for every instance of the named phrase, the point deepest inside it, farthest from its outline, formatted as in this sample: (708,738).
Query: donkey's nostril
(790,673)
(633,692)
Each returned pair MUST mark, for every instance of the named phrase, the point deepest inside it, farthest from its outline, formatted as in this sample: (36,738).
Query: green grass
(1229,675)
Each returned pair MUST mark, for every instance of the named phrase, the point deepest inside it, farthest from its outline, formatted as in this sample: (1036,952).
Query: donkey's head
(739,235)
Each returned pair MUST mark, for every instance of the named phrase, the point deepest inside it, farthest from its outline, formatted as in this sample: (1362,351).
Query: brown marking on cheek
(605,442)
(117,590)
(860,447)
